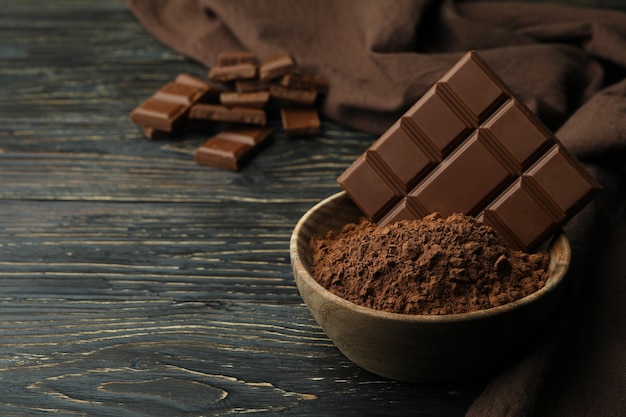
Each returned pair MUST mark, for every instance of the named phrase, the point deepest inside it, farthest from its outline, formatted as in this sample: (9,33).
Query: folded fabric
(567,64)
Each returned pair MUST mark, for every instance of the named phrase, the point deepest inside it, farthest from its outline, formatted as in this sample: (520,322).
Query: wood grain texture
(134,282)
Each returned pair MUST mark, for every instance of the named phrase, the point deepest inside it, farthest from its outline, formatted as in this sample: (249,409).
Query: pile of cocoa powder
(430,266)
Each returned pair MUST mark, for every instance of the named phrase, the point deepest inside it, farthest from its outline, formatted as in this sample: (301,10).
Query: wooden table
(137,283)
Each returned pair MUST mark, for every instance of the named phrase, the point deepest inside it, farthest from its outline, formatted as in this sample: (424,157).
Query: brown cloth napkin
(567,64)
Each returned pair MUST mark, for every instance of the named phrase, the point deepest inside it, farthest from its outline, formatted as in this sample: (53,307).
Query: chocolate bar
(277,66)
(167,108)
(231,148)
(468,145)
(227,114)
(300,121)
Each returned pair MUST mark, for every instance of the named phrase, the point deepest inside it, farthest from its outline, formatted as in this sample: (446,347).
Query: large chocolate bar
(468,145)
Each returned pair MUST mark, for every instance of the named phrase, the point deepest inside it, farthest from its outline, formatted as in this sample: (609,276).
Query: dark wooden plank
(101,312)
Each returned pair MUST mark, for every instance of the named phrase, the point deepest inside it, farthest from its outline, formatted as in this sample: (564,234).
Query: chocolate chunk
(166,109)
(232,72)
(226,114)
(300,121)
(212,91)
(468,145)
(304,97)
(250,86)
(277,66)
(179,93)
(160,114)
(231,148)
(305,82)
(257,99)
(229,58)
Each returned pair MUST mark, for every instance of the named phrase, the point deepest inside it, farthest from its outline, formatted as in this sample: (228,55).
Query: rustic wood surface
(134,282)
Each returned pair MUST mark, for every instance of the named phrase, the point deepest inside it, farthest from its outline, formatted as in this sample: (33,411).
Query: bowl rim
(551,285)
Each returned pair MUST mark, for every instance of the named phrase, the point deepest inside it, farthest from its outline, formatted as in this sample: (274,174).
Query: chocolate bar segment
(160,114)
(226,114)
(231,148)
(166,109)
(277,66)
(229,58)
(468,145)
(212,91)
(303,97)
(257,99)
(232,72)
(250,86)
(179,93)
(192,80)
(305,82)
(299,121)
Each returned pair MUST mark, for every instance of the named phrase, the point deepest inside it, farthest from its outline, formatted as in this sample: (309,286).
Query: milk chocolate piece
(277,66)
(229,58)
(226,114)
(192,80)
(300,121)
(232,72)
(179,93)
(231,148)
(160,114)
(166,109)
(251,86)
(305,82)
(212,91)
(257,99)
(304,97)
(468,145)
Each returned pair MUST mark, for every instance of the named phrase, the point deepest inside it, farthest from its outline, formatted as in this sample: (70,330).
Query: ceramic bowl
(420,348)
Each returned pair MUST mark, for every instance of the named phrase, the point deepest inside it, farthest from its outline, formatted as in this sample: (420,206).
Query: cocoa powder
(431,266)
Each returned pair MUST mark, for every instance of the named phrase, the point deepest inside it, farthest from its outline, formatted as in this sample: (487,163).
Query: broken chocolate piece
(231,148)
(304,97)
(468,145)
(300,121)
(229,58)
(305,82)
(232,72)
(226,114)
(257,99)
(250,86)
(277,66)
(212,91)
(167,108)
(160,114)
